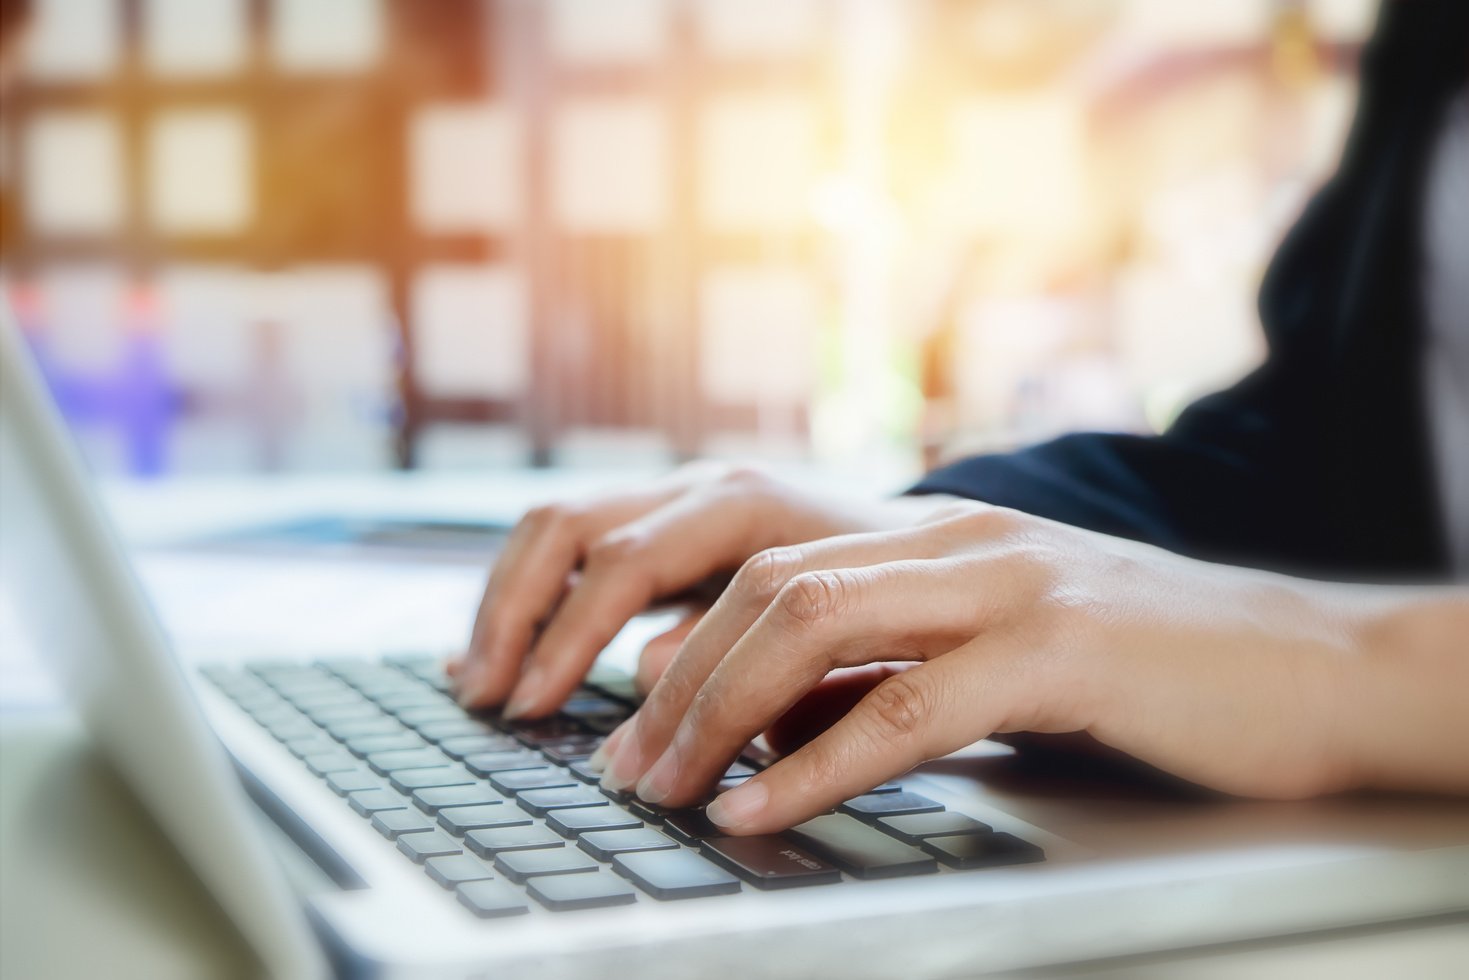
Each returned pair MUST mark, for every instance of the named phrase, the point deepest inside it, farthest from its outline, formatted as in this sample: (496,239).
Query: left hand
(1231,678)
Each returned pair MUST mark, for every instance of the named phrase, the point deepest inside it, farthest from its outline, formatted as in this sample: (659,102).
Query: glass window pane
(760,28)
(195,37)
(607,31)
(74,40)
(73,173)
(758,164)
(758,336)
(327,35)
(609,166)
(199,172)
(470,332)
(465,168)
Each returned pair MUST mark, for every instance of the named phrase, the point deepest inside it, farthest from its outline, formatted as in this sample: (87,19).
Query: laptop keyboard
(508,813)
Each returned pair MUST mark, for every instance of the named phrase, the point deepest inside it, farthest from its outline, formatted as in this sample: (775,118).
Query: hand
(572,575)
(1241,681)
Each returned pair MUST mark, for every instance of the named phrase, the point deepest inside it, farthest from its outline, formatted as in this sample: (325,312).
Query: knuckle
(615,548)
(744,477)
(546,517)
(761,578)
(899,708)
(813,598)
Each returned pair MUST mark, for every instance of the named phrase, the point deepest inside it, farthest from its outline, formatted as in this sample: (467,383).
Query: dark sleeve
(1225,482)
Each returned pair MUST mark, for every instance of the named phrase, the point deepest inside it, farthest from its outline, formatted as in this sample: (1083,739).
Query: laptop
(352,820)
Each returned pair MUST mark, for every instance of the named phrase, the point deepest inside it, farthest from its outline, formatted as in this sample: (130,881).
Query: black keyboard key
(565,893)
(489,763)
(497,840)
(385,763)
(579,820)
(873,805)
(914,827)
(392,823)
(352,780)
(676,874)
(432,799)
(584,773)
(969,851)
(691,826)
(539,802)
(537,733)
(769,862)
(516,780)
(408,780)
(580,707)
(520,865)
(460,820)
(326,763)
(651,812)
(602,844)
(453,870)
(491,899)
(370,801)
(365,745)
(421,847)
(858,849)
(571,750)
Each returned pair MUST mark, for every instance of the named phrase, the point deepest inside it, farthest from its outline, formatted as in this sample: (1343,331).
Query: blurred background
(352,235)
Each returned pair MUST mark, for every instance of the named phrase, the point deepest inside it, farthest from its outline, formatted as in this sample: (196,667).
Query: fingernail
(622,771)
(599,759)
(526,691)
(739,806)
(658,783)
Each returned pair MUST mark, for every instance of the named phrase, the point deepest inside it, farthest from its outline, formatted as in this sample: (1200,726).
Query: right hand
(571,575)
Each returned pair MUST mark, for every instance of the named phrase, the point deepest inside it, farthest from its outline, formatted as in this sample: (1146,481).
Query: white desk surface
(88,886)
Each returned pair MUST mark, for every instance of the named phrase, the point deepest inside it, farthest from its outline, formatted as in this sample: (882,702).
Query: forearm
(1408,711)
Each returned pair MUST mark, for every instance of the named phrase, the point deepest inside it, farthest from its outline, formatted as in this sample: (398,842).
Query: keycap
(914,827)
(515,780)
(579,707)
(497,840)
(325,763)
(536,733)
(870,806)
(403,700)
(564,893)
(408,780)
(438,731)
(433,843)
(969,851)
(520,865)
(585,773)
(352,727)
(432,799)
(391,823)
(352,780)
(368,802)
(429,714)
(325,698)
(459,820)
(676,874)
(452,870)
(651,812)
(385,763)
(489,763)
(691,826)
(602,844)
(314,744)
(571,750)
(362,711)
(491,899)
(858,849)
(285,729)
(365,745)
(578,820)
(540,801)
(459,747)
(769,862)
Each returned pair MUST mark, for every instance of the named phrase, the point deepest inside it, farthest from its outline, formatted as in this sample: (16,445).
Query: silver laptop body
(316,889)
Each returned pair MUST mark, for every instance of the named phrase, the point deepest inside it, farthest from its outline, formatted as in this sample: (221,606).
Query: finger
(836,694)
(821,621)
(662,552)
(660,650)
(751,592)
(911,717)
(597,761)
(525,584)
